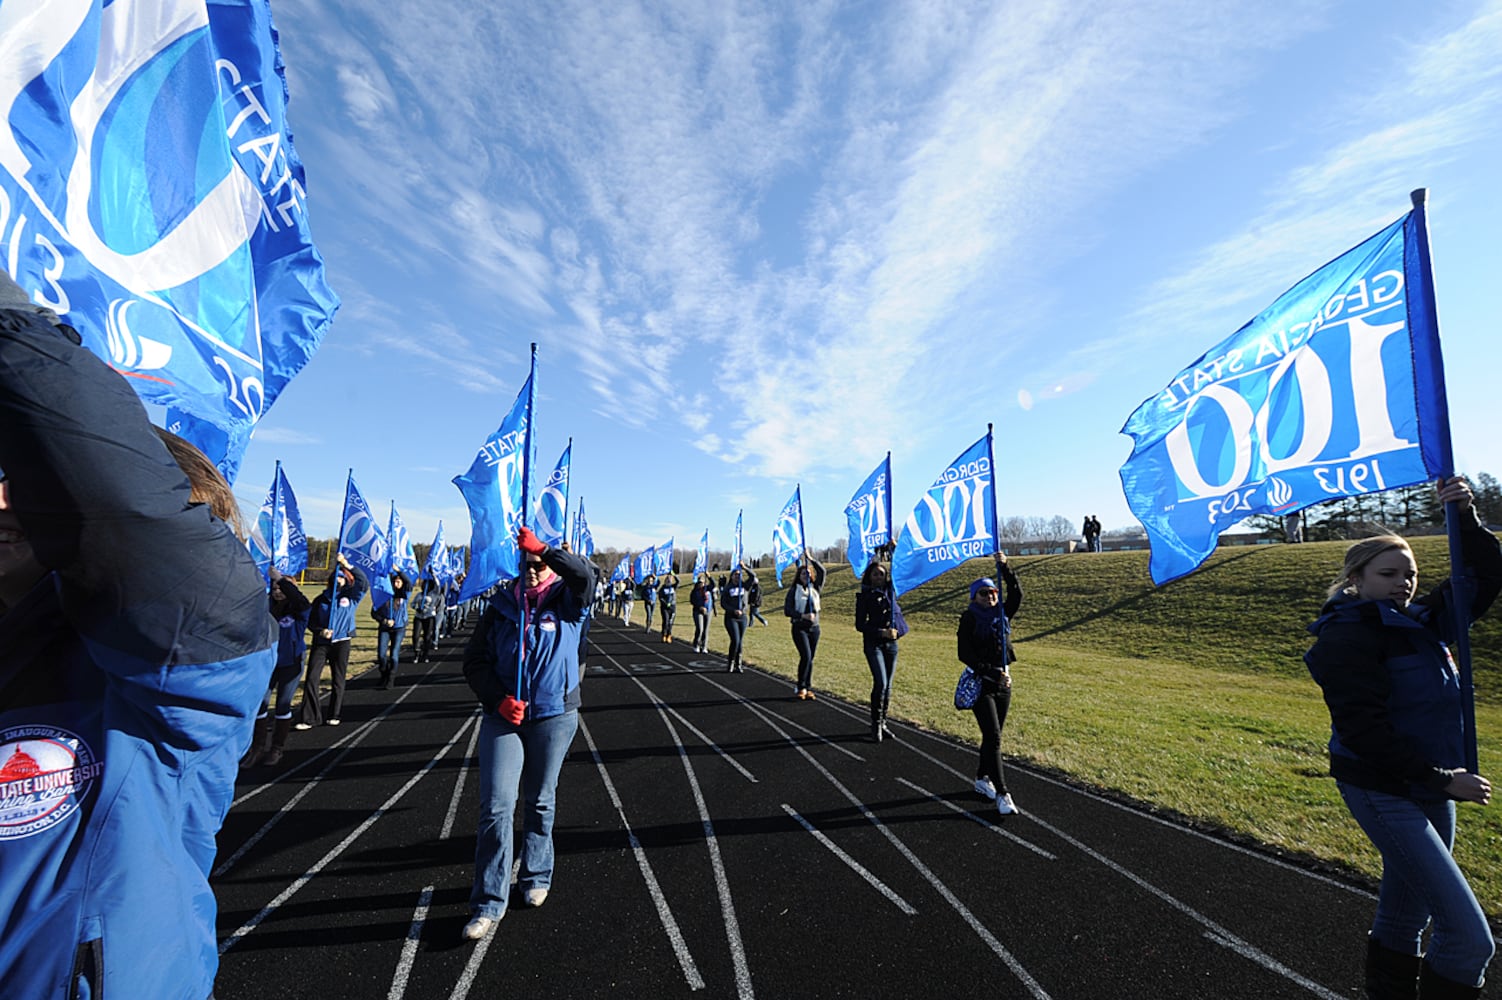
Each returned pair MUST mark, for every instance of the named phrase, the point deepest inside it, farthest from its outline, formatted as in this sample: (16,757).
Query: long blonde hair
(1358,557)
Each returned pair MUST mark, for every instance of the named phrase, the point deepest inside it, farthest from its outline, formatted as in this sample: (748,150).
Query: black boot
(878,729)
(260,742)
(885,732)
(273,756)
(1433,986)
(1390,975)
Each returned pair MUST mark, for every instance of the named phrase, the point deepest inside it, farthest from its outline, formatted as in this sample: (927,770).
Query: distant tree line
(1407,510)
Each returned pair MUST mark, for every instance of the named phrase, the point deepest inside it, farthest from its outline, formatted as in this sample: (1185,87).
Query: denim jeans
(528,756)
(701,627)
(284,692)
(881,657)
(1420,880)
(806,640)
(389,648)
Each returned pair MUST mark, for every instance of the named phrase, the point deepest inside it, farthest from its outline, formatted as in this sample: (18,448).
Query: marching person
(522,662)
(332,624)
(1398,751)
(134,649)
(753,599)
(878,619)
(425,611)
(985,646)
(701,600)
(649,599)
(290,608)
(667,596)
(733,598)
(391,628)
(802,606)
(628,600)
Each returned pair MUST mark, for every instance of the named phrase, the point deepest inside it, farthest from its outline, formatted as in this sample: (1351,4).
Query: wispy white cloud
(284,435)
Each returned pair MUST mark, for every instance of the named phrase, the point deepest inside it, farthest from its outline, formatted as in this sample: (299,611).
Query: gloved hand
(512,709)
(529,543)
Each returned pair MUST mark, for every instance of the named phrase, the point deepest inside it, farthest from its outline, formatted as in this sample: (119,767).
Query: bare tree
(1013,532)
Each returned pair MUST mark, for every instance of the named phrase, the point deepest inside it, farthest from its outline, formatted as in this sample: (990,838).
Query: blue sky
(762,244)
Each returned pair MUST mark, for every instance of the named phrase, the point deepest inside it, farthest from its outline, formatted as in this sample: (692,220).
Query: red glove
(530,543)
(512,709)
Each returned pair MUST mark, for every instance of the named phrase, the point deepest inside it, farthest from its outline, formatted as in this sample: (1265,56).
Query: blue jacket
(291,614)
(1391,685)
(337,615)
(395,607)
(548,678)
(129,678)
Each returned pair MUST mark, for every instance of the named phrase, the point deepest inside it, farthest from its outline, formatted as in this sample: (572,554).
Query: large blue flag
(585,544)
(955,520)
(701,558)
(738,550)
(1334,390)
(495,488)
(280,541)
(621,571)
(403,557)
(361,539)
(663,560)
(551,514)
(150,194)
(787,534)
(644,563)
(437,565)
(869,515)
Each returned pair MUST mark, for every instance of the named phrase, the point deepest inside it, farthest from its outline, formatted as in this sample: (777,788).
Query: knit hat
(984,583)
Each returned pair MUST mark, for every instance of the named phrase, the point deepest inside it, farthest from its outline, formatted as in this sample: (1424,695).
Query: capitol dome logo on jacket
(45,773)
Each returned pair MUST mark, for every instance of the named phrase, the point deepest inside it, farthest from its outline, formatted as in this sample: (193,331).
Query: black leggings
(991,714)
(735,628)
(701,627)
(807,642)
(669,612)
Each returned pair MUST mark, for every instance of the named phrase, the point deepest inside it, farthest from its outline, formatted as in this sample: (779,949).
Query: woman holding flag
(701,599)
(984,643)
(878,618)
(733,598)
(667,596)
(802,606)
(1398,751)
(332,623)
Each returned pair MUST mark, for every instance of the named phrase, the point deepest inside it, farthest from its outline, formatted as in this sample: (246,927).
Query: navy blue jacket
(547,677)
(1391,685)
(337,614)
(129,679)
(291,614)
(989,654)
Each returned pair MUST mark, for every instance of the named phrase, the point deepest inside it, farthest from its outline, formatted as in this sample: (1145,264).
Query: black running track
(718,838)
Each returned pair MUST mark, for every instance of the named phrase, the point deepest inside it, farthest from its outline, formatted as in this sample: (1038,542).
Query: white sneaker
(302,727)
(984,787)
(1006,806)
(478,928)
(535,897)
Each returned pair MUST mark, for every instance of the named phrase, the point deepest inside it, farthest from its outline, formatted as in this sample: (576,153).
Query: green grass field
(1191,698)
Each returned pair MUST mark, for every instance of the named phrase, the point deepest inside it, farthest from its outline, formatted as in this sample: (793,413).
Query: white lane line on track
(722,881)
(409,946)
(662,706)
(344,844)
(1009,835)
(355,736)
(798,726)
(664,913)
(933,880)
(1250,953)
(476,957)
(855,865)
(469,755)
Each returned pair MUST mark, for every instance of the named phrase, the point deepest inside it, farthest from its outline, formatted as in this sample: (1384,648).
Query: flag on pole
(621,571)
(869,515)
(738,552)
(643,567)
(437,565)
(495,488)
(403,558)
(955,520)
(787,533)
(701,558)
(362,541)
(152,197)
(282,543)
(1334,390)
(551,513)
(663,559)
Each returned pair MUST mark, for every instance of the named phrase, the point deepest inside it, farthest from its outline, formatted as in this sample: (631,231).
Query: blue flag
(153,198)
(787,534)
(701,558)
(1334,390)
(644,564)
(362,541)
(621,572)
(954,521)
(551,513)
(403,558)
(585,545)
(738,551)
(437,565)
(278,530)
(495,488)
(664,558)
(869,515)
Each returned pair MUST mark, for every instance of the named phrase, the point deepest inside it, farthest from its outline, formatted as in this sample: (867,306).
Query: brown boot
(260,741)
(273,755)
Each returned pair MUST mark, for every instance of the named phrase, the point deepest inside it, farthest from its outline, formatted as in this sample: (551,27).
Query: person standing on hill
(667,594)
(984,641)
(878,619)
(332,624)
(802,606)
(391,626)
(733,604)
(1398,751)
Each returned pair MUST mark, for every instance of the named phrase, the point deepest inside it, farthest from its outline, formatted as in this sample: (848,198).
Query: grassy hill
(1190,698)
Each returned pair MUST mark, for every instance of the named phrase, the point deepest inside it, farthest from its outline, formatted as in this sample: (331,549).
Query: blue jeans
(1420,880)
(530,756)
(284,692)
(881,657)
(389,648)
